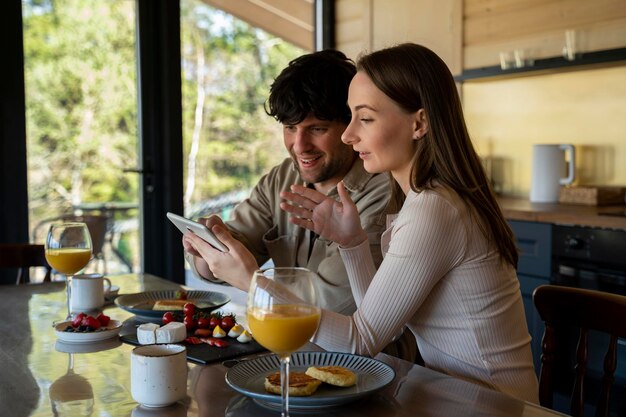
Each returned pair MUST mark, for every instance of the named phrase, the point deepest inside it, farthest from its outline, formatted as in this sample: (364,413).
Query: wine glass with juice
(283,315)
(68,251)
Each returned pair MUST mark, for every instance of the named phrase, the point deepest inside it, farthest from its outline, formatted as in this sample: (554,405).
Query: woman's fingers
(305,201)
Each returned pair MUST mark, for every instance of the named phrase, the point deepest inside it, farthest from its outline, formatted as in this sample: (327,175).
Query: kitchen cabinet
(537,28)
(534,241)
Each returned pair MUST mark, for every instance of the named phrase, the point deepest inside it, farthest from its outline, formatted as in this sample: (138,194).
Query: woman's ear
(421,124)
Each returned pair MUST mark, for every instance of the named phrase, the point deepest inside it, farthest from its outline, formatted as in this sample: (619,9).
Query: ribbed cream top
(440,278)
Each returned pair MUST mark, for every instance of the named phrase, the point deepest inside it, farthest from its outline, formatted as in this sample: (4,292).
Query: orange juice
(283,328)
(69,260)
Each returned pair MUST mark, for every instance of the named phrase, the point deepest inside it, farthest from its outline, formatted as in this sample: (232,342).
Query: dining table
(40,376)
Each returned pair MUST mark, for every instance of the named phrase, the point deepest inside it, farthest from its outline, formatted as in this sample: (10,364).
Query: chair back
(23,256)
(562,308)
(97,225)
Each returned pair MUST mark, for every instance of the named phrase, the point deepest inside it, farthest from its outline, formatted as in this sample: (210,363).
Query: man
(309,99)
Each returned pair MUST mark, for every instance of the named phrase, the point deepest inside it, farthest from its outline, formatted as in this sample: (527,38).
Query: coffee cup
(87,292)
(158,374)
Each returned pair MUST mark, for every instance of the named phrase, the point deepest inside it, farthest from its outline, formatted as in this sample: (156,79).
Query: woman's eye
(365,120)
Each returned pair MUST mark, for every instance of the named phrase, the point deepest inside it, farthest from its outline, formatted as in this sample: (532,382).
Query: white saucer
(112,291)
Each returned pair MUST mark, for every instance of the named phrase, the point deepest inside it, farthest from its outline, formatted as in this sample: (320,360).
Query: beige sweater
(441,279)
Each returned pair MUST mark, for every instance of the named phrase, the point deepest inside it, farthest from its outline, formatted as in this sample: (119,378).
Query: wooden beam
(291,20)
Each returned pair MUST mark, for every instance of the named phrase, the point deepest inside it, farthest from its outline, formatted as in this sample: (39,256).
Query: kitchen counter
(568,214)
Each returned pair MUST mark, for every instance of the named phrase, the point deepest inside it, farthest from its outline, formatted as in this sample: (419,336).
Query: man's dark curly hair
(313,84)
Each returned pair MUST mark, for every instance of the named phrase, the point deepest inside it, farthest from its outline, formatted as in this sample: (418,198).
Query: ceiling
(292,20)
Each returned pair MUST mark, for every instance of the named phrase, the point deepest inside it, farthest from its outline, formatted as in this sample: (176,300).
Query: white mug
(158,374)
(87,292)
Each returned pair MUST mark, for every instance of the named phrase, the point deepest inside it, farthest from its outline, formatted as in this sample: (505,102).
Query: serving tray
(203,353)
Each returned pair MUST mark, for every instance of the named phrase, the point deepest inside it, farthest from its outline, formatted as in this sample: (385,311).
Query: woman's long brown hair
(415,77)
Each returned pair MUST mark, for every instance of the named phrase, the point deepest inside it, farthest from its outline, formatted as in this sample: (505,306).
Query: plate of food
(153,304)
(67,333)
(325,379)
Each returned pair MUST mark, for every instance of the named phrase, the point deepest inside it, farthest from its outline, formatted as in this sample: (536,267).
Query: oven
(589,258)
(595,259)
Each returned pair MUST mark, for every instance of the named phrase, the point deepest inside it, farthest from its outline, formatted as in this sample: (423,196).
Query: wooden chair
(23,256)
(565,308)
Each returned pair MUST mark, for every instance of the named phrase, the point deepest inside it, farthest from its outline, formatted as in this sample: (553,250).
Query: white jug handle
(570,166)
(107,284)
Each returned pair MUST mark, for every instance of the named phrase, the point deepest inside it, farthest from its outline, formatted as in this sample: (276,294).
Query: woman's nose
(348,137)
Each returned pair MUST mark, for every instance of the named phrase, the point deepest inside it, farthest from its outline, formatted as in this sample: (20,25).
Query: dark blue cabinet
(534,241)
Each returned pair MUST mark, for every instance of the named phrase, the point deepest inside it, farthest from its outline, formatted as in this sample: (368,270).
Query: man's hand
(235,266)
(334,220)
(209,222)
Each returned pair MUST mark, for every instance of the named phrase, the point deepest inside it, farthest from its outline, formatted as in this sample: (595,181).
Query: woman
(450,257)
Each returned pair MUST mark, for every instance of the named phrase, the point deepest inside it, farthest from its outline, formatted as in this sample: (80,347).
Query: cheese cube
(172,332)
(146,333)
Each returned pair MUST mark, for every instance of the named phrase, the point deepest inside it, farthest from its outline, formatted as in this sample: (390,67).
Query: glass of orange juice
(68,250)
(283,315)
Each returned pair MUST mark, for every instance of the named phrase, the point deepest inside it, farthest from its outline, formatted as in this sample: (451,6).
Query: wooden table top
(39,378)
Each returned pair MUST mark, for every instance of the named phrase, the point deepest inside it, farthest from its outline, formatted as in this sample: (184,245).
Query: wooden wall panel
(538,27)
(537,17)
(353,26)
(436,24)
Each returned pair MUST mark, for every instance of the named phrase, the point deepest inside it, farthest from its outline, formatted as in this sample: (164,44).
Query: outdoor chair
(23,256)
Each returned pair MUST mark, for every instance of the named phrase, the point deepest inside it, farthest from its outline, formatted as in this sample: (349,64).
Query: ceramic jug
(550,164)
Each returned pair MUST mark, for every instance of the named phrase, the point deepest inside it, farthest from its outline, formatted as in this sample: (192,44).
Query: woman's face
(381,132)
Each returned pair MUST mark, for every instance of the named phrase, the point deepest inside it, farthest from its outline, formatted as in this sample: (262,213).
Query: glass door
(80,71)
(229,141)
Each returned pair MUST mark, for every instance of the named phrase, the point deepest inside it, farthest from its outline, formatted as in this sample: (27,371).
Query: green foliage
(81,89)
(81,102)
(238,140)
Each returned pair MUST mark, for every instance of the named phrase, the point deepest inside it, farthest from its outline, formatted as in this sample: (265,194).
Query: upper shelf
(583,60)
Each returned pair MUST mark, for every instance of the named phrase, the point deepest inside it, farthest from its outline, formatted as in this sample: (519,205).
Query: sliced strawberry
(192,340)
(103,319)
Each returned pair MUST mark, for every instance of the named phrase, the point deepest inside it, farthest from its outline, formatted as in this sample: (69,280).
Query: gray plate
(140,304)
(247,377)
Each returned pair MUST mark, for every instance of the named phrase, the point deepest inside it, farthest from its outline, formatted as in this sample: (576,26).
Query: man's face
(318,152)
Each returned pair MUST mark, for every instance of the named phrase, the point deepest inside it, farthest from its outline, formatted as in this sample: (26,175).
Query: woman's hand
(235,266)
(334,220)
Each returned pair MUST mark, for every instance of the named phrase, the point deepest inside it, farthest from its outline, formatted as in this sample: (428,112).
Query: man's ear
(420,127)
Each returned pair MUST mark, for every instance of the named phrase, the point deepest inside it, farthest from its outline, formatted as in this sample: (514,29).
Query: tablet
(185,225)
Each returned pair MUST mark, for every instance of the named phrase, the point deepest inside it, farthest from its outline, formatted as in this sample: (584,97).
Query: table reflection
(174,410)
(71,394)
